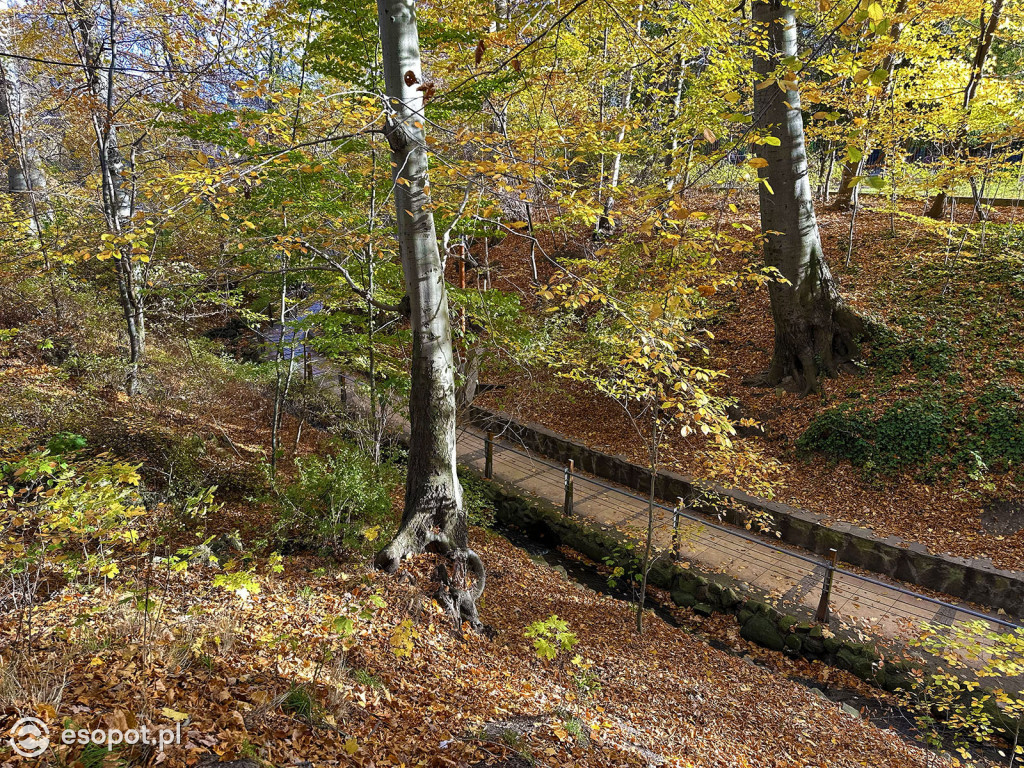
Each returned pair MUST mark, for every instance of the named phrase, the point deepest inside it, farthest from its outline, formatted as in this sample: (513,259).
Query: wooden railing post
(489,455)
(823,613)
(675,530)
(567,504)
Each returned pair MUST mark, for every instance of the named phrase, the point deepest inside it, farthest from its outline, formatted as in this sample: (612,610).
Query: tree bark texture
(434,516)
(26,180)
(814,331)
(98,53)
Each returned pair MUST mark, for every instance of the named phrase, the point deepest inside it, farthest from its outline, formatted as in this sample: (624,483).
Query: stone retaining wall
(702,592)
(977,581)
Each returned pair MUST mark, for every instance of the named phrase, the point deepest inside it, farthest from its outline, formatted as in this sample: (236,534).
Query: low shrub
(929,429)
(995,428)
(891,355)
(479,508)
(340,502)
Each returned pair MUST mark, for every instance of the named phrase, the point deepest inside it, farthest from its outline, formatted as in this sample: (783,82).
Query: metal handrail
(754,539)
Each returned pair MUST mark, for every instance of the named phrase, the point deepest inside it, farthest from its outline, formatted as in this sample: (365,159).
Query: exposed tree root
(458,600)
(805,351)
(461,582)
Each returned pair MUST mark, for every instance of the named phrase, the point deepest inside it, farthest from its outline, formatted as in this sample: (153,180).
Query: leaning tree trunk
(986,34)
(814,331)
(434,516)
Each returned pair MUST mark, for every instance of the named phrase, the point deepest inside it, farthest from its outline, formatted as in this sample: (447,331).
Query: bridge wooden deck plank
(773,571)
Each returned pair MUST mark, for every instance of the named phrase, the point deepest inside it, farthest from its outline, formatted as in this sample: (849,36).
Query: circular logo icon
(30,737)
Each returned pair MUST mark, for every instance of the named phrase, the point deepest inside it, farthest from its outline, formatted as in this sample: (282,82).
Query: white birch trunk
(98,55)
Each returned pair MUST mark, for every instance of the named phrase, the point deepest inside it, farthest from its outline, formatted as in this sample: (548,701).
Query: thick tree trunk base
(454,595)
(434,523)
(461,583)
(937,210)
(803,352)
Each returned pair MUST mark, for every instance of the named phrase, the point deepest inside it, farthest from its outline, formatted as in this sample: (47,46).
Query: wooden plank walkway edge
(790,578)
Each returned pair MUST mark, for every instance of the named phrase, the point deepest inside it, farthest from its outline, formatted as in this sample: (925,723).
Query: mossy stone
(862,650)
(813,646)
(793,643)
(786,623)
(729,598)
(858,665)
(758,607)
(683,599)
(703,609)
(761,630)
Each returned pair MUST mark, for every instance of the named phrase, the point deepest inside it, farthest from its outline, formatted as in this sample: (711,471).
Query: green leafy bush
(906,433)
(996,428)
(891,355)
(337,502)
(65,442)
(551,637)
(840,433)
(951,700)
(479,508)
(918,431)
(910,431)
(75,516)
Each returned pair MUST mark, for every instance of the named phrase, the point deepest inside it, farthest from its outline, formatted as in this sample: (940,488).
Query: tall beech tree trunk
(814,330)
(434,516)
(986,34)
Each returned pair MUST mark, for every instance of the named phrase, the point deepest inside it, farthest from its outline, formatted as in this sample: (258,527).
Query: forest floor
(269,678)
(957,331)
(331,663)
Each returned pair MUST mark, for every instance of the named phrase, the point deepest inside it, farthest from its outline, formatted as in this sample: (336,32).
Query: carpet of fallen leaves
(404,689)
(944,516)
(397,686)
